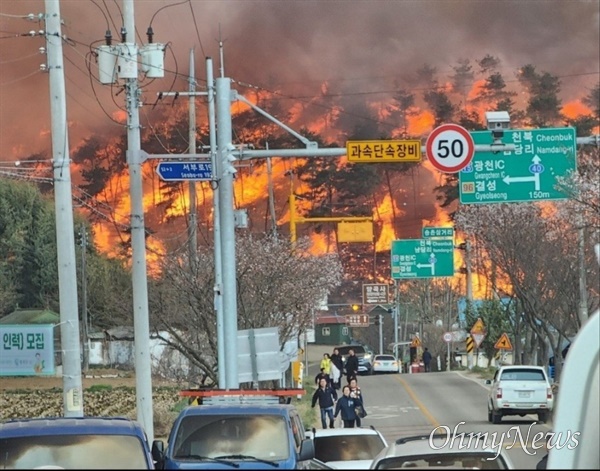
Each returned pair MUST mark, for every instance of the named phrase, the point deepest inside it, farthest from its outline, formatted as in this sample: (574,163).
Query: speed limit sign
(450,148)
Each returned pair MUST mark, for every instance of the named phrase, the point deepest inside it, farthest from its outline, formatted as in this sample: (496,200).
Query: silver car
(471,451)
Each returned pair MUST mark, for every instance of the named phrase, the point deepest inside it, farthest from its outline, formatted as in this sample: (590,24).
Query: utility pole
(65,231)
(193,221)
(141,320)
(225,157)
(85,334)
(380,334)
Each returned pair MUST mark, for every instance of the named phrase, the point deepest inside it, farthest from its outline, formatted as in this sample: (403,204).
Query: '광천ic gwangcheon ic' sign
(26,350)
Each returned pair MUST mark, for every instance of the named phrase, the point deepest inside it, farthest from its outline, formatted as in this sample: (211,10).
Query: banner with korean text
(27,350)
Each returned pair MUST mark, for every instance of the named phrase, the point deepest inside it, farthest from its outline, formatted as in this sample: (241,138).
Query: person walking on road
(427,360)
(322,375)
(327,397)
(345,405)
(337,368)
(326,363)
(351,366)
(356,393)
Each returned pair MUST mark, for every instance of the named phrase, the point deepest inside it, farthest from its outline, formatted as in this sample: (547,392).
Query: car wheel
(496,417)
(543,417)
(489,416)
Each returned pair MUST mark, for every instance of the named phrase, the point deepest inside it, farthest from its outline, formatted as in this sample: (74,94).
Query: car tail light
(549,393)
(499,393)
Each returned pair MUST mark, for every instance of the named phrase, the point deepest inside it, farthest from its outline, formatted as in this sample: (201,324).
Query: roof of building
(330,319)
(31,316)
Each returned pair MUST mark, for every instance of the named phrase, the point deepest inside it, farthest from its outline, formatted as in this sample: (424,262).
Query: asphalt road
(401,405)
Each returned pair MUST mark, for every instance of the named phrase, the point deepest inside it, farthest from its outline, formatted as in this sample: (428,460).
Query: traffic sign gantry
(183,171)
(422,258)
(529,173)
(384,151)
(450,148)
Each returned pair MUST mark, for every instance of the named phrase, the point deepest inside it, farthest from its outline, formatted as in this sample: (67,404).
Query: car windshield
(446,460)
(262,436)
(73,452)
(347,447)
(522,375)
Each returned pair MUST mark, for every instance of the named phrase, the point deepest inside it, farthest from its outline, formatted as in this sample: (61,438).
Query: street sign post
(375,293)
(184,171)
(529,173)
(422,258)
(384,151)
(503,343)
(450,148)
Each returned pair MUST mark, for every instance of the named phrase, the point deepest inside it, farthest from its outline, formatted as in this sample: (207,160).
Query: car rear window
(476,460)
(522,375)
(385,358)
(348,447)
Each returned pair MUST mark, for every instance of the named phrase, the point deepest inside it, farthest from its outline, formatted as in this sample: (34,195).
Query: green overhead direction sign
(437,232)
(529,173)
(422,258)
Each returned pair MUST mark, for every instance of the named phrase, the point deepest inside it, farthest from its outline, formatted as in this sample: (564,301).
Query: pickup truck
(74,443)
(520,390)
(236,431)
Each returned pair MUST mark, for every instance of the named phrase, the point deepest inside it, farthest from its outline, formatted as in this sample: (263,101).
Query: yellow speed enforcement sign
(384,151)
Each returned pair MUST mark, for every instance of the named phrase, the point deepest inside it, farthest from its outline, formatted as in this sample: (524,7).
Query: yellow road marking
(419,404)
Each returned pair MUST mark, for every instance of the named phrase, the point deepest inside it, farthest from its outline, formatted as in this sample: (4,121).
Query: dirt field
(105,393)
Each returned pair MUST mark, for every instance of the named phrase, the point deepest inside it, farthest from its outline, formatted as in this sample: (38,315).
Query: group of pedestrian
(329,382)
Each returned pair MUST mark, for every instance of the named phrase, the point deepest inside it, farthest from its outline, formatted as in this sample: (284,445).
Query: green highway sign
(529,173)
(438,232)
(422,258)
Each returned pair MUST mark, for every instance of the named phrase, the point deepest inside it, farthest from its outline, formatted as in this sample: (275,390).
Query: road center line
(416,400)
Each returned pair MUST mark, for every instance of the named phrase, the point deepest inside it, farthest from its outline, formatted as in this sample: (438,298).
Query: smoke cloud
(293,47)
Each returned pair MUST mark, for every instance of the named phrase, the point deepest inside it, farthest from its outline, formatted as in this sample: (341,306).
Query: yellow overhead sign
(503,343)
(355,231)
(384,151)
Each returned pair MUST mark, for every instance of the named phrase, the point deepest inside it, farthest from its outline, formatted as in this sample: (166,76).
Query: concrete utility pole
(193,221)
(141,320)
(65,231)
(225,156)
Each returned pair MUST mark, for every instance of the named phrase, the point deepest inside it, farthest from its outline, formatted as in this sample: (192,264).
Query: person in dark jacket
(356,393)
(351,366)
(321,375)
(427,360)
(345,405)
(326,396)
(336,360)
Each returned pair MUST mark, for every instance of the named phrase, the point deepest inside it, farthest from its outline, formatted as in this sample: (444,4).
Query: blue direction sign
(529,173)
(180,171)
(422,258)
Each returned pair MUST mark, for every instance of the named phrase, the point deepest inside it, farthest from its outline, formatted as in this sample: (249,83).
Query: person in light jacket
(345,405)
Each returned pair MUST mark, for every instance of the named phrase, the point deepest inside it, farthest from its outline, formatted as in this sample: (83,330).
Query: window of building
(326,332)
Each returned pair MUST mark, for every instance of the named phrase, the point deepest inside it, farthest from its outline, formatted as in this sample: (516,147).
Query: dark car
(363,354)
(74,443)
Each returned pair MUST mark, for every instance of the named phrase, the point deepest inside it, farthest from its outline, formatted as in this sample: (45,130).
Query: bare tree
(278,286)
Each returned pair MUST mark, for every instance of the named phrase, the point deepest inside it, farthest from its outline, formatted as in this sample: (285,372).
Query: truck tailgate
(524,392)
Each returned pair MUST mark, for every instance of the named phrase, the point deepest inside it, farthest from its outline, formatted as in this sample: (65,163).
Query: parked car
(386,364)
(347,448)
(363,354)
(520,390)
(74,443)
(440,451)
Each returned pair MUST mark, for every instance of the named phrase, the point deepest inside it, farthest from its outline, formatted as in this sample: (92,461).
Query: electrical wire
(196,28)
